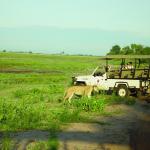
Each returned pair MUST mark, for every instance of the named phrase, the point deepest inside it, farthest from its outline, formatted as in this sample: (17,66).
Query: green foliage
(115,50)
(20,114)
(34,95)
(40,145)
(25,114)
(6,143)
(90,105)
(37,146)
(134,49)
(126,50)
(53,142)
(70,116)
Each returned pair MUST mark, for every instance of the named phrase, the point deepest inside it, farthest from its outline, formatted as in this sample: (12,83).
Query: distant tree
(127,50)
(115,50)
(133,49)
(146,51)
(4,51)
(137,48)
(62,53)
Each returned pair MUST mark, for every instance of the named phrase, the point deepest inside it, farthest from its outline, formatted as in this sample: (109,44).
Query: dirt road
(130,128)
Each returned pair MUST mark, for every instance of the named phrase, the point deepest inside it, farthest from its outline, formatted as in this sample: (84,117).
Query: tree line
(133,49)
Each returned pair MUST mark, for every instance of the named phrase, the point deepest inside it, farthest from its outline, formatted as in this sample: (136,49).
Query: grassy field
(32,88)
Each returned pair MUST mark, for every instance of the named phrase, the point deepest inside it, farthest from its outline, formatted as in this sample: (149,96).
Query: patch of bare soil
(111,133)
(30,71)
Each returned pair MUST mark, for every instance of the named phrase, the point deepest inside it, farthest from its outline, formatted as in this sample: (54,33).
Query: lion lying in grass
(80,91)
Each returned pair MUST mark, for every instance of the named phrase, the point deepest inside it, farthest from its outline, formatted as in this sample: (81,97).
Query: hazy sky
(73,26)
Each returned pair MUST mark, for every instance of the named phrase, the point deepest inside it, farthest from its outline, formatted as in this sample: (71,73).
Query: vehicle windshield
(99,71)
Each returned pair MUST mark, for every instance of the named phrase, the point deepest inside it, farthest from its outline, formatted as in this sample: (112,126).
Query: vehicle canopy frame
(143,73)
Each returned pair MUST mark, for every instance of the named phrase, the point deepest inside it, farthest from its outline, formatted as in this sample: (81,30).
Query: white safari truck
(131,77)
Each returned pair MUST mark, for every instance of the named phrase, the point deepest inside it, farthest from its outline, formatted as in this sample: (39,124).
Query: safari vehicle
(127,79)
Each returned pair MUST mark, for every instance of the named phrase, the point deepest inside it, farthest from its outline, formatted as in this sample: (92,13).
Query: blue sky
(73,26)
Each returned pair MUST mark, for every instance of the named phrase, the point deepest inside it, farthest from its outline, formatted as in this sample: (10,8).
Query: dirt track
(109,133)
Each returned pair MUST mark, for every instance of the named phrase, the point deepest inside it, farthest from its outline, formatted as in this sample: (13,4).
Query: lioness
(80,91)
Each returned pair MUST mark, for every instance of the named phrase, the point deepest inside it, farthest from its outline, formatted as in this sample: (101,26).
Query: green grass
(90,105)
(35,100)
(51,144)
(6,143)
(34,94)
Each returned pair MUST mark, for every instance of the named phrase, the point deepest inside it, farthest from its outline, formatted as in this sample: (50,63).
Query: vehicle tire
(122,91)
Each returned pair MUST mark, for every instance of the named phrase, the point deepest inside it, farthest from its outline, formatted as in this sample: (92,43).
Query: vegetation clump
(133,49)
(90,105)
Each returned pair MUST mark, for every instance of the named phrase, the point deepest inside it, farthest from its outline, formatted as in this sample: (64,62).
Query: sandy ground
(118,132)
